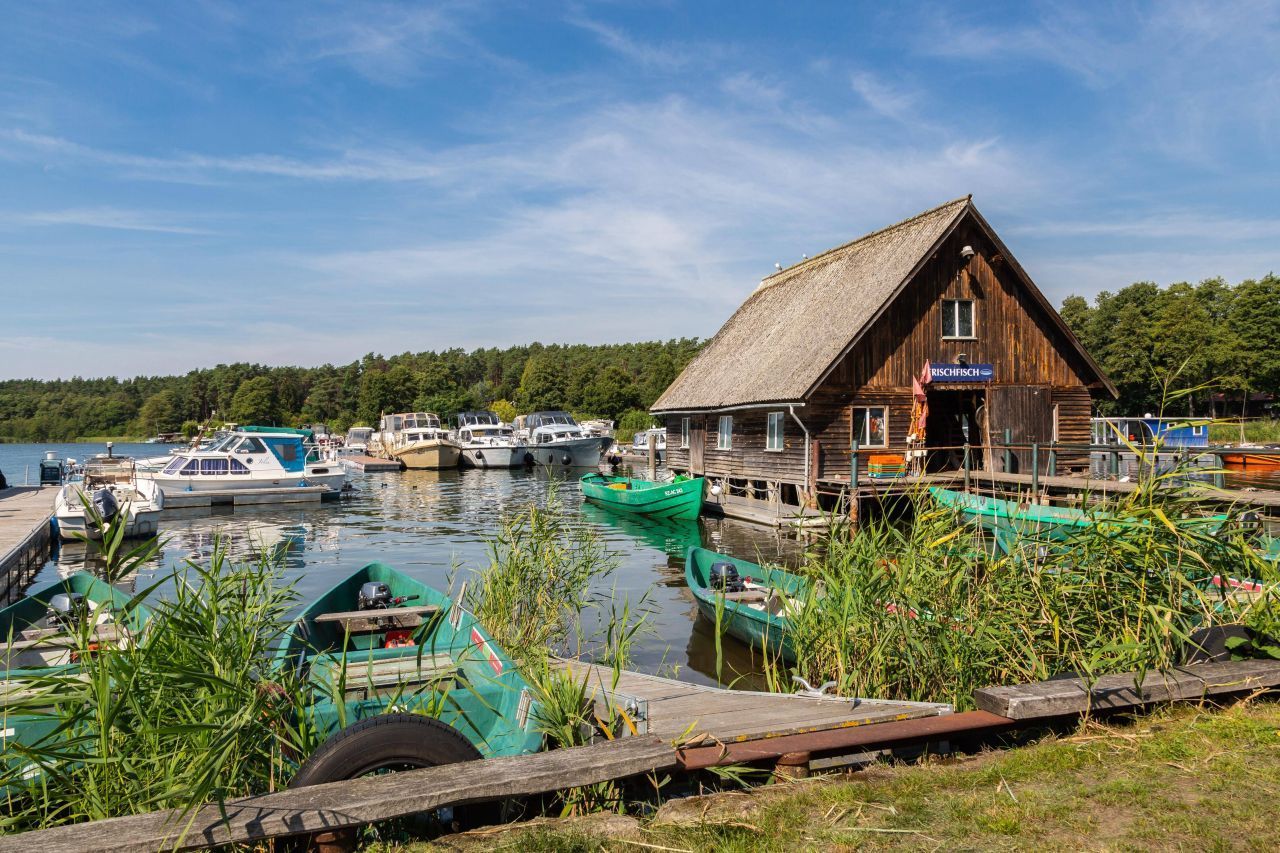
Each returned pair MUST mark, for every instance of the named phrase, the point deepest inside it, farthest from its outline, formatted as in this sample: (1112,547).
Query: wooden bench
(747,596)
(364,621)
(362,679)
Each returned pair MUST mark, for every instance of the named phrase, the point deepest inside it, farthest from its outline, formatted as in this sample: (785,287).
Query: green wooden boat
(753,601)
(44,635)
(1009,521)
(408,648)
(679,498)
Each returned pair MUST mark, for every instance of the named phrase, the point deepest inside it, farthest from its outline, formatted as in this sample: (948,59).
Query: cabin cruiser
(356,443)
(111,486)
(640,444)
(487,442)
(556,440)
(251,457)
(417,440)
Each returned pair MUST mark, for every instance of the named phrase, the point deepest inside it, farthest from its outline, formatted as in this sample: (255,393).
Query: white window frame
(864,437)
(953,305)
(684,433)
(1056,410)
(724,441)
(773,432)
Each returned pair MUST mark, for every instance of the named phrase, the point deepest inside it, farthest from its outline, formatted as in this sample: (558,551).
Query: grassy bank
(1256,432)
(1183,778)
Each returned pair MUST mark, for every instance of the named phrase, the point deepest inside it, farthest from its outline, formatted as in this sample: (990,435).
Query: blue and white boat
(250,457)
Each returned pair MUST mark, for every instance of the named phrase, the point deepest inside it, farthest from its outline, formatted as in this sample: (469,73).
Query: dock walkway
(24,536)
(676,709)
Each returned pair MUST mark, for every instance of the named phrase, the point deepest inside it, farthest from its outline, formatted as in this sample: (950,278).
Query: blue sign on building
(961,372)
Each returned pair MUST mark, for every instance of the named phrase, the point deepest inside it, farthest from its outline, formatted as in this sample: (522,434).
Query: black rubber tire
(1209,645)
(385,742)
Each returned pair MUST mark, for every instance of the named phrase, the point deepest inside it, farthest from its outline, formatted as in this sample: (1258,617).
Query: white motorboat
(487,442)
(640,444)
(356,443)
(416,440)
(111,485)
(252,457)
(556,440)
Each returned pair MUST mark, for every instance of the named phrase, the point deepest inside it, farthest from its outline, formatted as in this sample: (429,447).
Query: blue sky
(189,183)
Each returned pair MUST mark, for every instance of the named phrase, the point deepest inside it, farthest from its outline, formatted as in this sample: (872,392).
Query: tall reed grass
(930,611)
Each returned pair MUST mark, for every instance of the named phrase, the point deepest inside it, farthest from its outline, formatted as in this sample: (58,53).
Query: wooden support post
(1008,451)
(1053,459)
(853,482)
(1219,477)
(1113,463)
(811,487)
(968,464)
(652,441)
(792,765)
(1035,472)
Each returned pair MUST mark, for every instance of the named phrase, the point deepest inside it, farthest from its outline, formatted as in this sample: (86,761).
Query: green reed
(930,611)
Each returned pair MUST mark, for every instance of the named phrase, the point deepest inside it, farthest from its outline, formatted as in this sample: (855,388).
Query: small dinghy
(380,643)
(678,498)
(47,629)
(755,602)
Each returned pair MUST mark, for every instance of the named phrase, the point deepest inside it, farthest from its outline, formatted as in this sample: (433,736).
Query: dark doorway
(954,421)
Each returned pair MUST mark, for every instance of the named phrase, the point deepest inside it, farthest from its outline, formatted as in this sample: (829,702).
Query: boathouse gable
(830,348)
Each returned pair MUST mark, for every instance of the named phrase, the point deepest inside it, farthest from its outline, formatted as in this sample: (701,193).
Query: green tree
(543,383)
(162,412)
(255,402)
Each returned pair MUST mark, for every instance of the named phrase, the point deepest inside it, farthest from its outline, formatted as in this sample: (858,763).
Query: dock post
(652,441)
(1008,452)
(853,481)
(968,464)
(1035,471)
(1053,459)
(1219,478)
(1113,462)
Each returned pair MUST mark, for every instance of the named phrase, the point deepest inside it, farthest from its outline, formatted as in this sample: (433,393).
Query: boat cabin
(1147,431)
(904,347)
(478,418)
(238,453)
(546,427)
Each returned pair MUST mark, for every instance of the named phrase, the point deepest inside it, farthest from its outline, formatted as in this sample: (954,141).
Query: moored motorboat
(417,440)
(556,441)
(251,457)
(1241,459)
(487,442)
(640,443)
(111,485)
(678,498)
(380,638)
(750,602)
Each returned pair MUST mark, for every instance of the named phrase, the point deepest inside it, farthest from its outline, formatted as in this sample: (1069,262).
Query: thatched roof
(777,347)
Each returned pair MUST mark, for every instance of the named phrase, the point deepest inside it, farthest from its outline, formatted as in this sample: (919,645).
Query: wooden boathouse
(912,342)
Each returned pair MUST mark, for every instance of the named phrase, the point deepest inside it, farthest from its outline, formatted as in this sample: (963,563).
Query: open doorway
(955,419)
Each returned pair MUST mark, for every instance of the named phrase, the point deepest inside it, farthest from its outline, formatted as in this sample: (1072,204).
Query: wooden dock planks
(336,805)
(676,708)
(24,536)
(1072,696)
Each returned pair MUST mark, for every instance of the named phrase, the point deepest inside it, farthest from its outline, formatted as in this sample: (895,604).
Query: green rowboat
(755,607)
(408,649)
(679,498)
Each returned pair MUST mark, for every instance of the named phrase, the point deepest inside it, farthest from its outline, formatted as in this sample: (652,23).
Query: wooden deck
(676,709)
(24,536)
(369,464)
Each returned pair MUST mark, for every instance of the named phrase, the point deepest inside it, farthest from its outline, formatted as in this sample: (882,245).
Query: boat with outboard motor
(640,443)
(487,442)
(115,491)
(750,602)
(251,457)
(381,649)
(556,440)
(417,440)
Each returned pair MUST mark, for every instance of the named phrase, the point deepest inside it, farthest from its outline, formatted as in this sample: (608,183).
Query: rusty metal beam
(900,733)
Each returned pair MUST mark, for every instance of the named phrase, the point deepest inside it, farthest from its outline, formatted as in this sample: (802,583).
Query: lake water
(435,525)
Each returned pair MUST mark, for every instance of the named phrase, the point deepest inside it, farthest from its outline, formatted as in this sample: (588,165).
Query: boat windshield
(358,435)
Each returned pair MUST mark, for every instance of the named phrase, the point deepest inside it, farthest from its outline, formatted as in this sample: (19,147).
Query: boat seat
(55,638)
(362,679)
(365,621)
(748,595)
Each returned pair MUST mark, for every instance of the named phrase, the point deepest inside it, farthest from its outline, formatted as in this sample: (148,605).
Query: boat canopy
(305,433)
(543,419)
(478,418)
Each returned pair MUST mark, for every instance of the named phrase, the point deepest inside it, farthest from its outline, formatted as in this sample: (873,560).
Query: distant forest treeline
(1213,336)
(617,381)
(1205,338)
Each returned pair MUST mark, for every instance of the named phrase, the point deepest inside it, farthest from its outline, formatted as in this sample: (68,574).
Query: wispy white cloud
(884,98)
(103,217)
(661,57)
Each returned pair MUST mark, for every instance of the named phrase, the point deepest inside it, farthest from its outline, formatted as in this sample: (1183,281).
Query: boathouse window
(871,426)
(724,439)
(684,432)
(957,318)
(773,433)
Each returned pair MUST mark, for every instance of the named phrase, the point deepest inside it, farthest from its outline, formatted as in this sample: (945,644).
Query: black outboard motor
(724,577)
(374,596)
(68,609)
(106,505)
